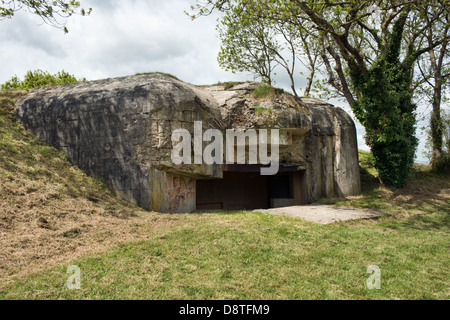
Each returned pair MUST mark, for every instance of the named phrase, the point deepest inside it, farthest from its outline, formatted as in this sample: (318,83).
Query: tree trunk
(309,85)
(291,77)
(436,126)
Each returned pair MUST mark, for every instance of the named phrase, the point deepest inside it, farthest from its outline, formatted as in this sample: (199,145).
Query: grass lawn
(256,256)
(52,216)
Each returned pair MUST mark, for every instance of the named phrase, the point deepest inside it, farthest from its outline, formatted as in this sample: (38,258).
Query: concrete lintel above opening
(256,168)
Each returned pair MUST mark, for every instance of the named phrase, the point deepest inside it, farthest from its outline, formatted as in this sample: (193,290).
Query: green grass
(157,72)
(232,255)
(257,256)
(227,85)
(268,112)
(264,91)
(23,156)
(258,109)
(427,192)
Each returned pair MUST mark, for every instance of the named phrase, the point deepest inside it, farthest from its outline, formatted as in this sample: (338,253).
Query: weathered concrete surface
(331,151)
(120,130)
(323,214)
(319,137)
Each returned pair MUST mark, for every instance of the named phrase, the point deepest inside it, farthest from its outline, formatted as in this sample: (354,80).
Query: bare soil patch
(324,214)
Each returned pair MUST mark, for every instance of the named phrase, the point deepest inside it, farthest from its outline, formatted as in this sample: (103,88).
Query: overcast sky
(125,37)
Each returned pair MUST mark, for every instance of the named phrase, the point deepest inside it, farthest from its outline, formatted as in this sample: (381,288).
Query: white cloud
(119,38)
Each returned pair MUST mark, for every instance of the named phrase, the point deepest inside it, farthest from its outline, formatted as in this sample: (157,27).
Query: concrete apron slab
(323,214)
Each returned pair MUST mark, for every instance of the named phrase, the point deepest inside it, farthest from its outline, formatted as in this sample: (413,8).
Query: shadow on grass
(426,193)
(435,222)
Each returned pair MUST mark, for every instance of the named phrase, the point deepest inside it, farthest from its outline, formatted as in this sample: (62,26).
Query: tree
(385,108)
(369,49)
(253,43)
(442,164)
(434,72)
(247,45)
(52,12)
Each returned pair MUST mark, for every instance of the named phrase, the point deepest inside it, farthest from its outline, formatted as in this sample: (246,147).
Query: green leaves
(39,79)
(248,43)
(53,13)
(386,110)
(367,49)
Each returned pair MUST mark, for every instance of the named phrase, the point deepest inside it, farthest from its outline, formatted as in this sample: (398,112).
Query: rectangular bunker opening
(244,188)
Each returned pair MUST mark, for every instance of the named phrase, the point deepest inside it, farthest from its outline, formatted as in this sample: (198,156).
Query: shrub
(264,91)
(442,164)
(38,79)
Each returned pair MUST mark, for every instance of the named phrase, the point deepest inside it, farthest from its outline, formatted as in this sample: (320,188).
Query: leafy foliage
(52,12)
(442,164)
(248,45)
(38,79)
(432,81)
(386,110)
(255,42)
(369,50)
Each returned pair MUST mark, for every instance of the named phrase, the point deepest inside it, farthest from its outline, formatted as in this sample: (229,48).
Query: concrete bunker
(243,188)
(120,130)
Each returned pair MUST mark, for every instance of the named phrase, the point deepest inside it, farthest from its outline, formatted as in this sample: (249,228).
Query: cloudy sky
(124,37)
